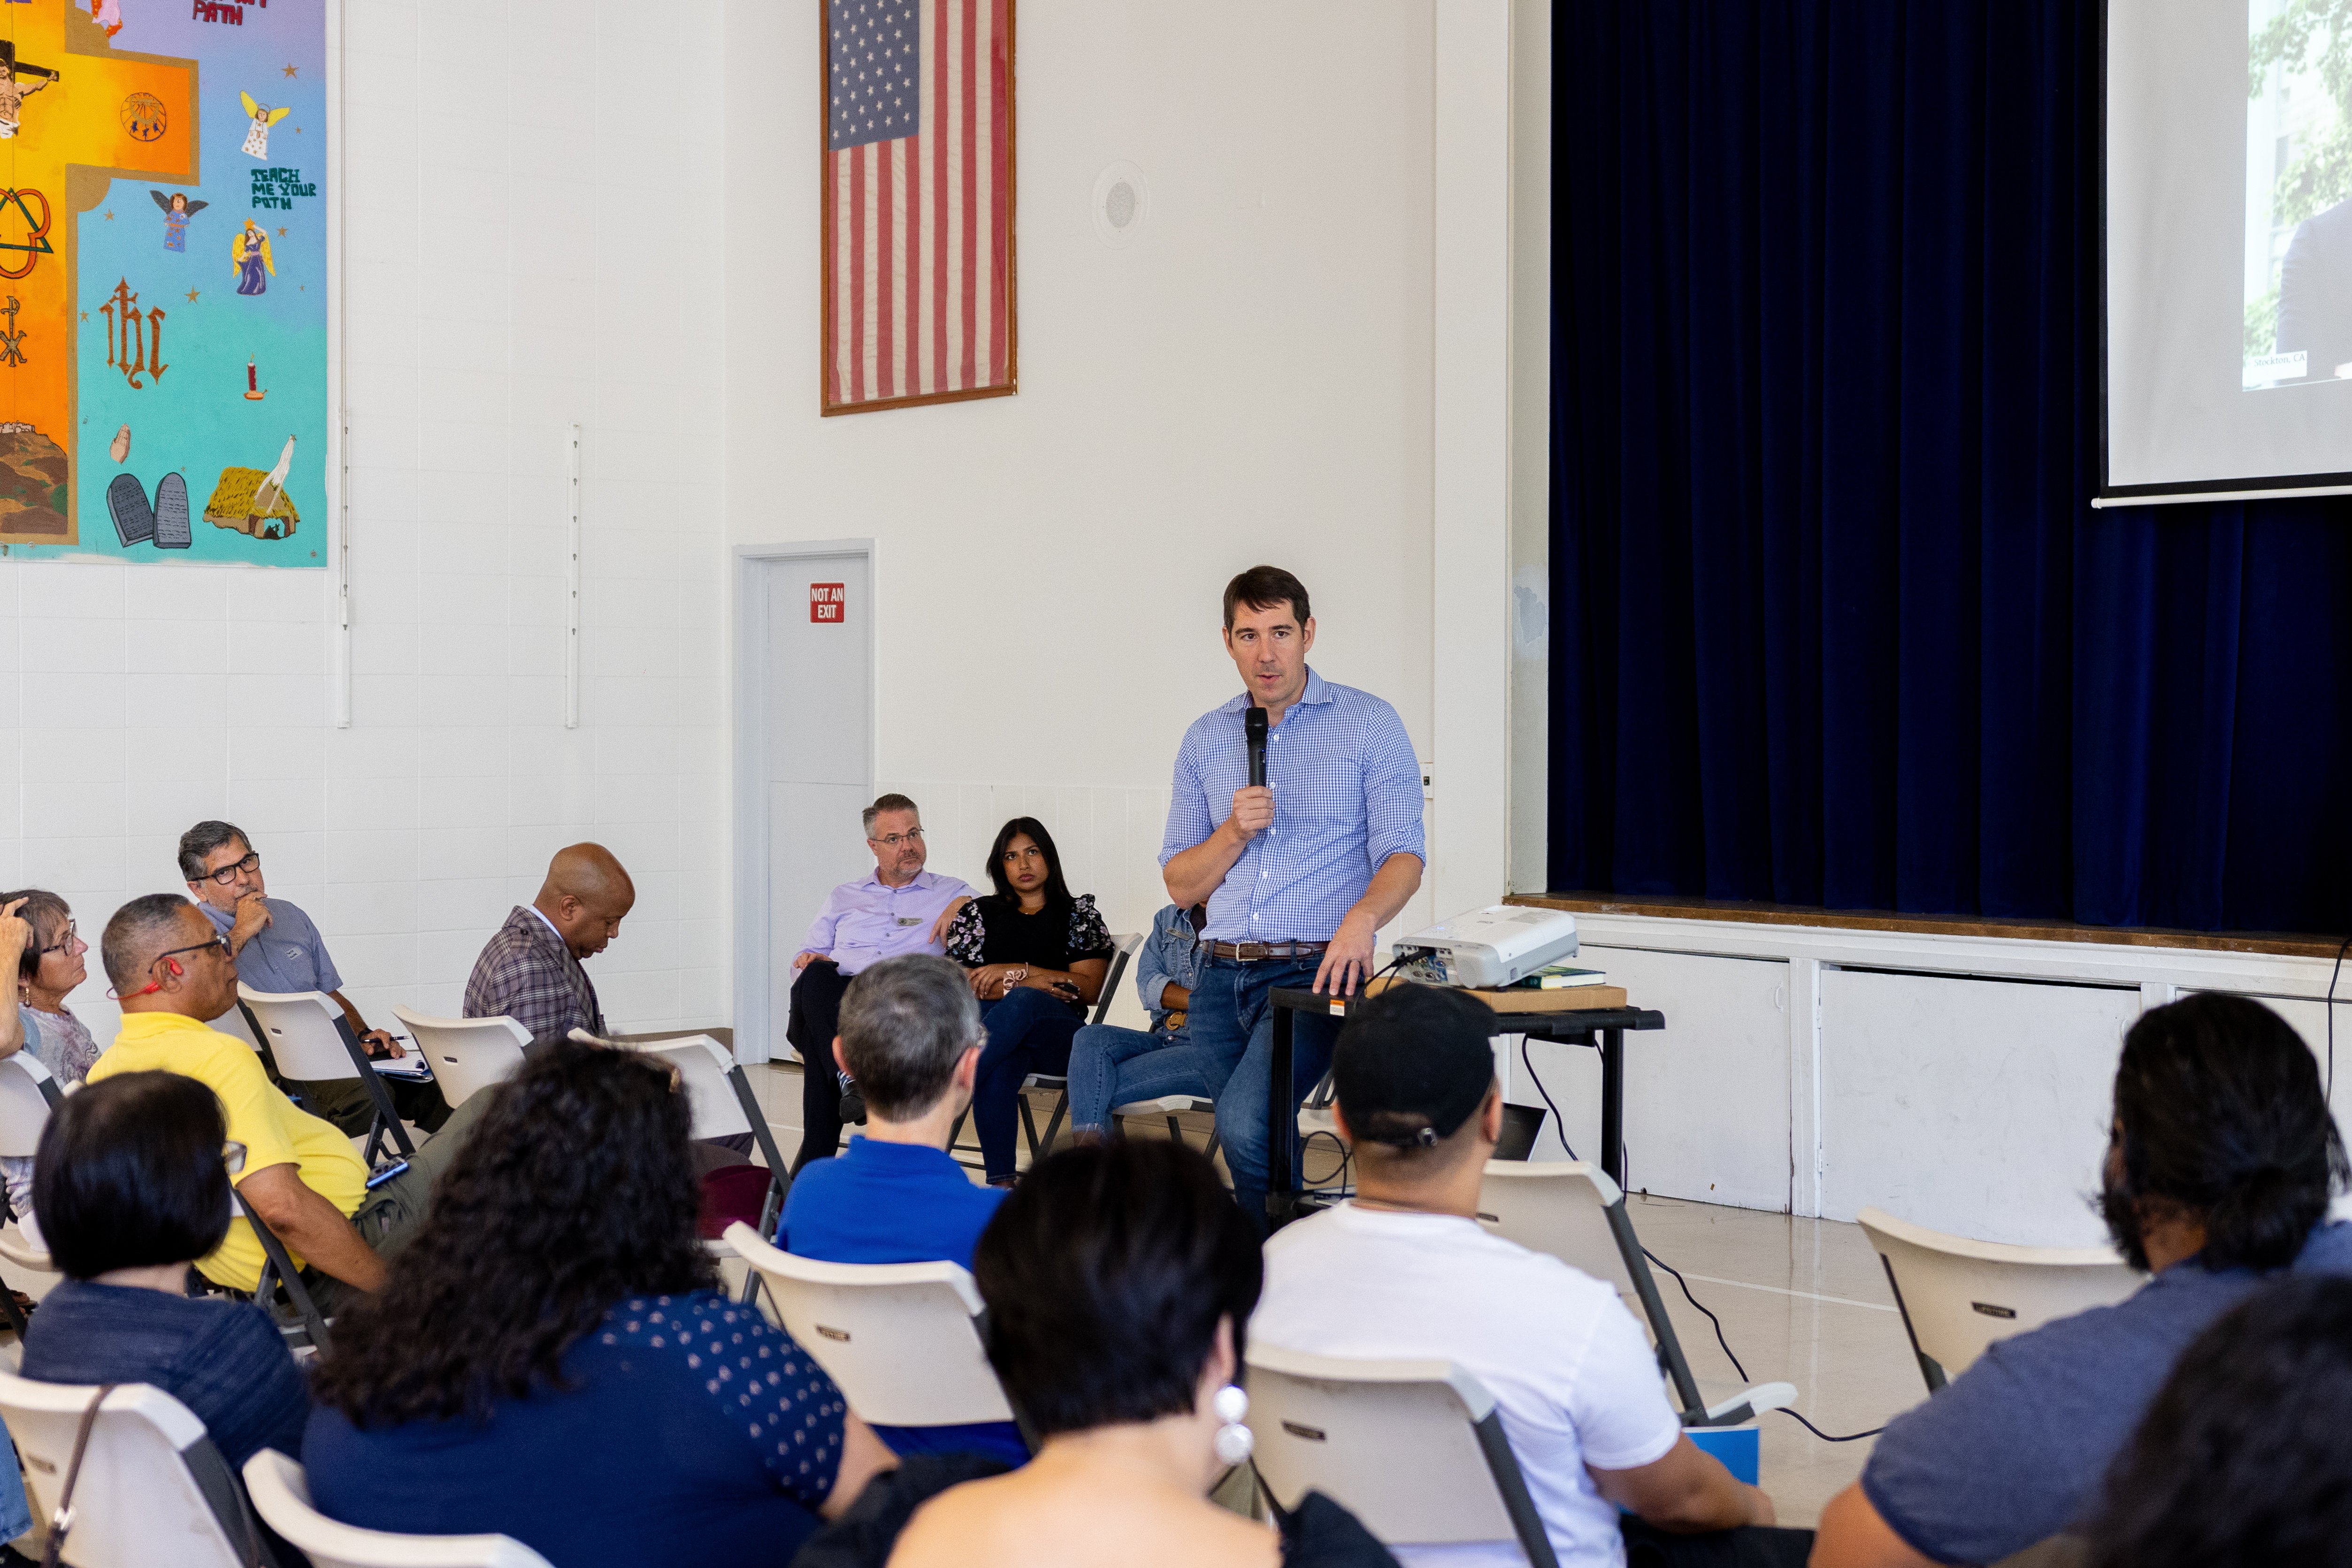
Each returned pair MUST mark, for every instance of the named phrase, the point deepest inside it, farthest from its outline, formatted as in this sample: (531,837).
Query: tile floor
(1801,1300)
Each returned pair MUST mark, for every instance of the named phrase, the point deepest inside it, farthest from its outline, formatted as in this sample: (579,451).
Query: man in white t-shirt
(1405,1270)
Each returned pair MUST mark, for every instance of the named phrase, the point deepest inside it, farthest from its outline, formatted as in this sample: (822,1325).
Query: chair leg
(15,1314)
(1054,1124)
(1029,1125)
(1175,1129)
(955,1134)
(1211,1148)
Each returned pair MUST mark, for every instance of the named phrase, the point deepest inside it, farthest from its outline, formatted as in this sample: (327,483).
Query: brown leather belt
(1254,952)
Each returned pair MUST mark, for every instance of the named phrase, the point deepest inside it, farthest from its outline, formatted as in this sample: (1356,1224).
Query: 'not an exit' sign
(827,601)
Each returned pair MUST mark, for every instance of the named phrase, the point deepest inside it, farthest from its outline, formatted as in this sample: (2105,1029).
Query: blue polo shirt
(284,957)
(898,1203)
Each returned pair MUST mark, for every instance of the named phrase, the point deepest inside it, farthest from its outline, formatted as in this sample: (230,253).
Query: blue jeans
(1231,1020)
(15,1511)
(1028,1031)
(1110,1067)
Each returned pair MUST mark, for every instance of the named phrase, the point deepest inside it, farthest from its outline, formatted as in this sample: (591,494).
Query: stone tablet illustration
(126,502)
(172,513)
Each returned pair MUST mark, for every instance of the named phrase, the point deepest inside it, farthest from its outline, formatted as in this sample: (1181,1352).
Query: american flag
(918,200)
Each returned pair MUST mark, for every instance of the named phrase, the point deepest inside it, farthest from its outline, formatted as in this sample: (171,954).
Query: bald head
(584,897)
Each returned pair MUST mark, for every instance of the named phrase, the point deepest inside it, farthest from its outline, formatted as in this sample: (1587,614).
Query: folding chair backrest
(1126,942)
(26,1091)
(1958,1295)
(703,1065)
(152,1487)
(1559,1207)
(1413,1449)
(467,1055)
(237,1026)
(900,1339)
(301,1033)
(281,1496)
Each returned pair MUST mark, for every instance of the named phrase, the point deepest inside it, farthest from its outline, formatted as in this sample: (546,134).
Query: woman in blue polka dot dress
(552,1358)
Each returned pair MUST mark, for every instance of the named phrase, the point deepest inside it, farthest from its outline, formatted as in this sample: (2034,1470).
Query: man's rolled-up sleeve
(1392,792)
(1188,807)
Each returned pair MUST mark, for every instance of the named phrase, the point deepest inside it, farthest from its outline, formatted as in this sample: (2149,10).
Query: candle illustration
(253,392)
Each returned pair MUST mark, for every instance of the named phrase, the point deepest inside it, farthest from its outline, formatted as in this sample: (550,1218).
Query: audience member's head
(130,1175)
(2219,1124)
(585,897)
(894,831)
(574,1191)
(52,962)
(1022,861)
(220,863)
(1119,1279)
(1413,1077)
(910,1035)
(2242,1459)
(162,956)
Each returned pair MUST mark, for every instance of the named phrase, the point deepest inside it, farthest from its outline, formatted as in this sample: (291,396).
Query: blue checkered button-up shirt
(1347,795)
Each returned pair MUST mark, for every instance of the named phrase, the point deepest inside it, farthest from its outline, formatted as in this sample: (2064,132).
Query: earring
(1234,1439)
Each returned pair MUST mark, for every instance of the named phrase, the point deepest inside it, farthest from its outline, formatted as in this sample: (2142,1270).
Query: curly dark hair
(574,1191)
(2242,1457)
(1106,1273)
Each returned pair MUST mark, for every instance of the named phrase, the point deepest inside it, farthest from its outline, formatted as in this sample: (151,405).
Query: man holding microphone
(1300,870)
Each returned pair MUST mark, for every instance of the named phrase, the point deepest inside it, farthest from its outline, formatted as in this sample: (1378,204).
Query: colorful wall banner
(163,322)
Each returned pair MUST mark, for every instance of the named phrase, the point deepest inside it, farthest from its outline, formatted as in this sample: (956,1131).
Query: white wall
(1961,1081)
(507,276)
(1248,379)
(1530,417)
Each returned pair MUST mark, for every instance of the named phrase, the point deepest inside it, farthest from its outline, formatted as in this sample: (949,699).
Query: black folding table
(1604,1027)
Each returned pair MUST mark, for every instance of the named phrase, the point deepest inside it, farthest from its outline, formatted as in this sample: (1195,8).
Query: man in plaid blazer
(531,970)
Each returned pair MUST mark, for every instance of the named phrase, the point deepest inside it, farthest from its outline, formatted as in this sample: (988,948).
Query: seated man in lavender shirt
(901,908)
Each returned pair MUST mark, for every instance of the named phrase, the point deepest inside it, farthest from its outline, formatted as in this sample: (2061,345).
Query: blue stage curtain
(1834,623)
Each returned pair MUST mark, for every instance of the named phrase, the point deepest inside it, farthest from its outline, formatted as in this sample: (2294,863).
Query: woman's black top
(992,930)
(1318,1533)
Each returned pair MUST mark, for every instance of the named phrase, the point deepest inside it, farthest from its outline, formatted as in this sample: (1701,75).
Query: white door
(817,718)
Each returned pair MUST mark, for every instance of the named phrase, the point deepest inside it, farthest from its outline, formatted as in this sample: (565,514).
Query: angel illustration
(107,14)
(251,253)
(256,139)
(177,211)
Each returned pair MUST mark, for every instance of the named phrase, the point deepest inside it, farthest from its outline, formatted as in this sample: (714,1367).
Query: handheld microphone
(1253,725)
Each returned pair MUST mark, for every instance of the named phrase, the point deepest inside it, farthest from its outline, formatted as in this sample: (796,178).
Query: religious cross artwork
(918,182)
(103,109)
(177,211)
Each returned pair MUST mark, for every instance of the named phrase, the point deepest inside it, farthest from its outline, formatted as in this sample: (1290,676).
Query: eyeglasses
(911,836)
(233,1156)
(227,873)
(220,942)
(72,931)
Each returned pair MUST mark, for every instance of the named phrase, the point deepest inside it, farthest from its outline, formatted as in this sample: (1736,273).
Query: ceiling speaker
(1122,203)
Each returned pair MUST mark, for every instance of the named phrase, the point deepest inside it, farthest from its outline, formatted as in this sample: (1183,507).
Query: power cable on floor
(1536,1078)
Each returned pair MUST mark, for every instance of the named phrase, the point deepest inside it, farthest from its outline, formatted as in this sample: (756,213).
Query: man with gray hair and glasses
(911,1030)
(276,948)
(901,908)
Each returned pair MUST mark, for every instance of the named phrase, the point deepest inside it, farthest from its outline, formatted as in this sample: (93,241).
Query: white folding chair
(1413,1449)
(28,1093)
(312,1042)
(238,1025)
(1171,1106)
(279,1273)
(467,1055)
(1958,1296)
(153,1489)
(1124,945)
(281,1495)
(900,1340)
(1570,1210)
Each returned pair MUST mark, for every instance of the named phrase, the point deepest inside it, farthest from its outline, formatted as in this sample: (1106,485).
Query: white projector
(1491,946)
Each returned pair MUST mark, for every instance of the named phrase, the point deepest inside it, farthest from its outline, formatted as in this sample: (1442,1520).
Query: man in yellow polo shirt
(171,970)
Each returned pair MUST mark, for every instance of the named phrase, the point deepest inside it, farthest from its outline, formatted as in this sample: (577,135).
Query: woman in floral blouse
(1037,958)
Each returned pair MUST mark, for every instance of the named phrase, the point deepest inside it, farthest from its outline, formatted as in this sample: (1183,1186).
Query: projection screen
(2228,249)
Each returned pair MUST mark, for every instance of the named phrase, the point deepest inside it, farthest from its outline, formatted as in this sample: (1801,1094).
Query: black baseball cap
(1413,1064)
